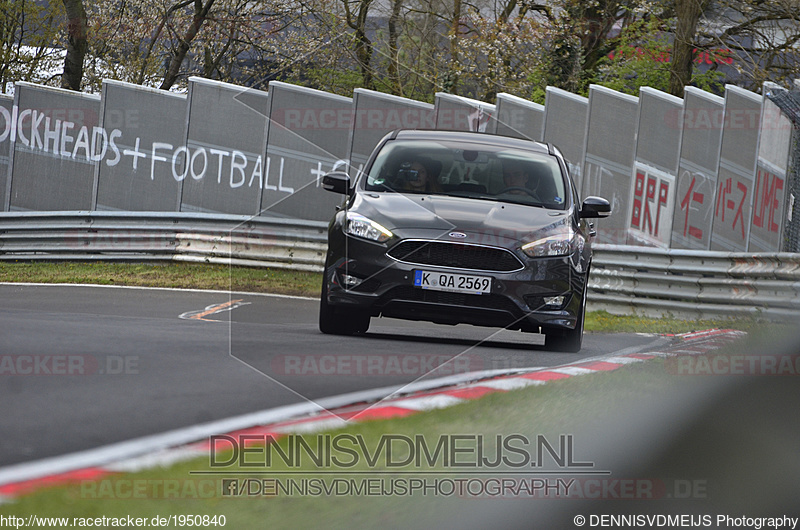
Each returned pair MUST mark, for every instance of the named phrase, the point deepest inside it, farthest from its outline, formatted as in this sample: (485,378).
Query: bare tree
(761,36)
(199,16)
(414,48)
(156,34)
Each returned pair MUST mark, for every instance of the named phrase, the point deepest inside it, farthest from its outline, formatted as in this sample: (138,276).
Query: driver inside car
(517,178)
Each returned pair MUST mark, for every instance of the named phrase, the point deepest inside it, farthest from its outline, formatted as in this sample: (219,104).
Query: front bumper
(362,276)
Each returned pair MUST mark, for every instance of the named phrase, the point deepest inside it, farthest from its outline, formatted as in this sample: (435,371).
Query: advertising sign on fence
(697,176)
(771,191)
(734,196)
(652,200)
(652,206)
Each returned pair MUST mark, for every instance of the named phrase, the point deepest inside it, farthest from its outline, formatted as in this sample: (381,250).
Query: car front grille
(455,255)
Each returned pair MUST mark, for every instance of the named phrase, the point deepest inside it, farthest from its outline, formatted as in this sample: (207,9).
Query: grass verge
(173,275)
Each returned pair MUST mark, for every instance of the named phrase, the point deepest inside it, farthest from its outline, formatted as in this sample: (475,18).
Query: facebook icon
(230,487)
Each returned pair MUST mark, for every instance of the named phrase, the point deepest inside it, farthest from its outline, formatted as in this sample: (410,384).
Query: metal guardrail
(624,279)
(132,236)
(695,284)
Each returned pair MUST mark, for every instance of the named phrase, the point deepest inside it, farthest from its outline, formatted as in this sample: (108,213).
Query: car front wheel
(570,340)
(335,322)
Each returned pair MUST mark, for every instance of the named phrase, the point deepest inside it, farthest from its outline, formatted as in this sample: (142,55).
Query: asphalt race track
(82,366)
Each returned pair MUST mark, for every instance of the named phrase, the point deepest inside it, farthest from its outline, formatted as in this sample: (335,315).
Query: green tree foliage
(30,34)
(642,57)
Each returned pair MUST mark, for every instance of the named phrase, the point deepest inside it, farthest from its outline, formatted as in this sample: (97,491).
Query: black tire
(333,322)
(569,340)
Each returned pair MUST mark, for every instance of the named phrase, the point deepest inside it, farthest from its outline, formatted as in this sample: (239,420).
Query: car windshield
(472,170)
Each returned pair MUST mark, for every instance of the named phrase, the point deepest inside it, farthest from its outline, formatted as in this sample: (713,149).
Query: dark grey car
(454,227)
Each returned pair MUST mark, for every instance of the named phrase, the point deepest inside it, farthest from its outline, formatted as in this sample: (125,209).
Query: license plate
(452,282)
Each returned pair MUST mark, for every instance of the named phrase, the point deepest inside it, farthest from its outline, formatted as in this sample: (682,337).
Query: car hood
(400,213)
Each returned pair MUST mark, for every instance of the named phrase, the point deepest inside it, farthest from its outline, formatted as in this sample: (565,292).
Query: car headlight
(360,226)
(558,244)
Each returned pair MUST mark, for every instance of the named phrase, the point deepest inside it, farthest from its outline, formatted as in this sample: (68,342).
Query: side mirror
(595,207)
(337,182)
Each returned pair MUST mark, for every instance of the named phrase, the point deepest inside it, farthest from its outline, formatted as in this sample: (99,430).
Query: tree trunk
(394,61)
(363,46)
(364,57)
(200,14)
(77,24)
(688,13)
(451,81)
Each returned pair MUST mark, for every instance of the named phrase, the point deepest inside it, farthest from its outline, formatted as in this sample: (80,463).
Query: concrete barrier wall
(6,125)
(703,115)
(144,168)
(55,145)
(565,116)
(225,143)
(736,174)
(698,172)
(652,195)
(608,163)
(456,113)
(376,114)
(307,137)
(771,190)
(518,117)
